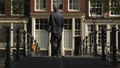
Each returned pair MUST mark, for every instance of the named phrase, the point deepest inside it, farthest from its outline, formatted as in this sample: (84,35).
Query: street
(62,62)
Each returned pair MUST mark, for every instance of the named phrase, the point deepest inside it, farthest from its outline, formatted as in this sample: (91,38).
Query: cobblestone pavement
(62,62)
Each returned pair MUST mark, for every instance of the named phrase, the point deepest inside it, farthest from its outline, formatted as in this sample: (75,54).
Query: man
(55,26)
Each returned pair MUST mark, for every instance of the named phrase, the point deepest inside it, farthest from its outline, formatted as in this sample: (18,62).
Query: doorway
(77,50)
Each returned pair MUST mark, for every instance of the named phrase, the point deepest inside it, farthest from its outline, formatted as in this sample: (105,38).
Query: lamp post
(28,44)
(103,44)
(113,44)
(93,15)
(7,49)
(86,52)
(24,48)
(114,60)
(31,41)
(83,46)
(90,43)
(17,45)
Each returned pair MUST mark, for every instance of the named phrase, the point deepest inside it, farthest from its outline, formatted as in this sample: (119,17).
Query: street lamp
(93,15)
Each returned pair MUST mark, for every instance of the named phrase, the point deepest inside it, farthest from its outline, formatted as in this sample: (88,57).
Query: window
(74,5)
(20,27)
(58,3)
(68,34)
(100,34)
(114,8)
(3,32)
(41,23)
(40,5)
(17,7)
(2,7)
(91,30)
(77,24)
(68,24)
(96,7)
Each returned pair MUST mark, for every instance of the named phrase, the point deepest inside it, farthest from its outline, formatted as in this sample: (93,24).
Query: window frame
(112,15)
(96,15)
(40,24)
(2,31)
(19,14)
(77,26)
(100,34)
(74,10)
(90,31)
(39,9)
(68,24)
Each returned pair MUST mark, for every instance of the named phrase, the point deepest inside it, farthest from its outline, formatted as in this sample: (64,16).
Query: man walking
(55,26)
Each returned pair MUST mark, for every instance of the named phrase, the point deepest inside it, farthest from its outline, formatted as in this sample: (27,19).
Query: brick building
(78,28)
(102,17)
(77,34)
(12,15)
(73,12)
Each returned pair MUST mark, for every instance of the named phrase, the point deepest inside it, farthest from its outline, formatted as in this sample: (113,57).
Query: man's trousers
(55,43)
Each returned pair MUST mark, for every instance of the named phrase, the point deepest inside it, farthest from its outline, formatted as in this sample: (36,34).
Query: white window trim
(73,10)
(89,14)
(13,13)
(111,15)
(39,9)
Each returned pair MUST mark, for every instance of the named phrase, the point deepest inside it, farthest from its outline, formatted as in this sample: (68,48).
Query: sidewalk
(62,62)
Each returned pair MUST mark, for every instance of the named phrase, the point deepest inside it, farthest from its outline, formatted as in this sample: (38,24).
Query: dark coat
(56,23)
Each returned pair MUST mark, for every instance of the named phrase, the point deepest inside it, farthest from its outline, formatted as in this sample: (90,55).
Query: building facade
(73,12)
(105,18)
(79,25)
(12,16)
(80,22)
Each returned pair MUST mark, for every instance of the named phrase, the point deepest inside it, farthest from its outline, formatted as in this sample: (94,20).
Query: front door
(77,45)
